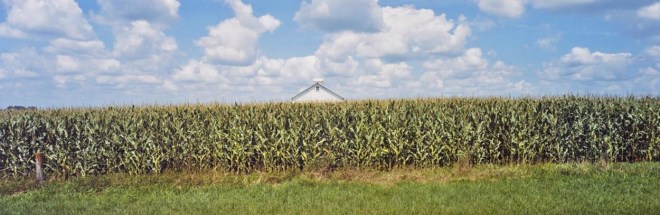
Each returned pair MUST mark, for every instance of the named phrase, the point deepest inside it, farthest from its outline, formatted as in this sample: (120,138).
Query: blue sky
(61,53)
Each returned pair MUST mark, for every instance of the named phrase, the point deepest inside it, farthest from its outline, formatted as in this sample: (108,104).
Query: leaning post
(39,157)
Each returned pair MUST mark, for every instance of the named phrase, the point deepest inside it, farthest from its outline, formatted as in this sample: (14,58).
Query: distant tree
(16,107)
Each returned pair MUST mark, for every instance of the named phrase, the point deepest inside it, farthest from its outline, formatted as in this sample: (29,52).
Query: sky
(88,53)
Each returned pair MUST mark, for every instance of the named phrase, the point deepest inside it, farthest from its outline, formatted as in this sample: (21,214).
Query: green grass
(619,188)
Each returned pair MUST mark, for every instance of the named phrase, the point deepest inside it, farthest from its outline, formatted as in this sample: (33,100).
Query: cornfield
(362,134)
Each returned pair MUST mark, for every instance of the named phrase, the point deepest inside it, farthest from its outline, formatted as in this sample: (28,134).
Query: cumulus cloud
(515,8)
(77,61)
(363,60)
(367,60)
(278,77)
(66,63)
(140,52)
(74,55)
(45,18)
(76,47)
(63,81)
(458,67)
(22,64)
(341,15)
(555,4)
(470,74)
(548,42)
(378,73)
(234,41)
(141,39)
(8,31)
(366,63)
(651,12)
(504,8)
(653,51)
(293,69)
(263,71)
(141,46)
(160,12)
(647,79)
(409,32)
(141,49)
(583,65)
(19,73)
(123,80)
(88,65)
(196,71)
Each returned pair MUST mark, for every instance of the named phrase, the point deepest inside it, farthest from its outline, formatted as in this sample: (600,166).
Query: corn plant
(364,134)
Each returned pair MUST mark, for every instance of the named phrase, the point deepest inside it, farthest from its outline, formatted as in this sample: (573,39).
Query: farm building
(317,93)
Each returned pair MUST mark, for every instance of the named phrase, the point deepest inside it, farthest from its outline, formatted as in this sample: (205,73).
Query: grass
(619,188)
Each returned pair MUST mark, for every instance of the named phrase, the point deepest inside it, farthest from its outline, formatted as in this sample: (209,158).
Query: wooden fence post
(40,170)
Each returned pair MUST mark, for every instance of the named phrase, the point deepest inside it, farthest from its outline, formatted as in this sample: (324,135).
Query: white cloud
(273,76)
(338,46)
(76,47)
(244,14)
(648,79)
(361,60)
(398,71)
(105,64)
(83,59)
(65,80)
(653,51)
(74,61)
(50,18)
(25,63)
(298,68)
(90,66)
(650,12)
(140,53)
(8,31)
(583,65)
(19,73)
(409,32)
(555,4)
(482,24)
(234,41)
(470,74)
(466,74)
(459,67)
(504,8)
(138,26)
(583,56)
(230,42)
(548,42)
(515,8)
(66,63)
(378,73)
(372,81)
(73,55)
(348,66)
(263,71)
(161,12)
(374,63)
(127,79)
(196,71)
(341,15)
(142,39)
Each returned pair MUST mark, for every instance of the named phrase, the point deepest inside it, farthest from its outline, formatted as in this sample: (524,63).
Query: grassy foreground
(619,188)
